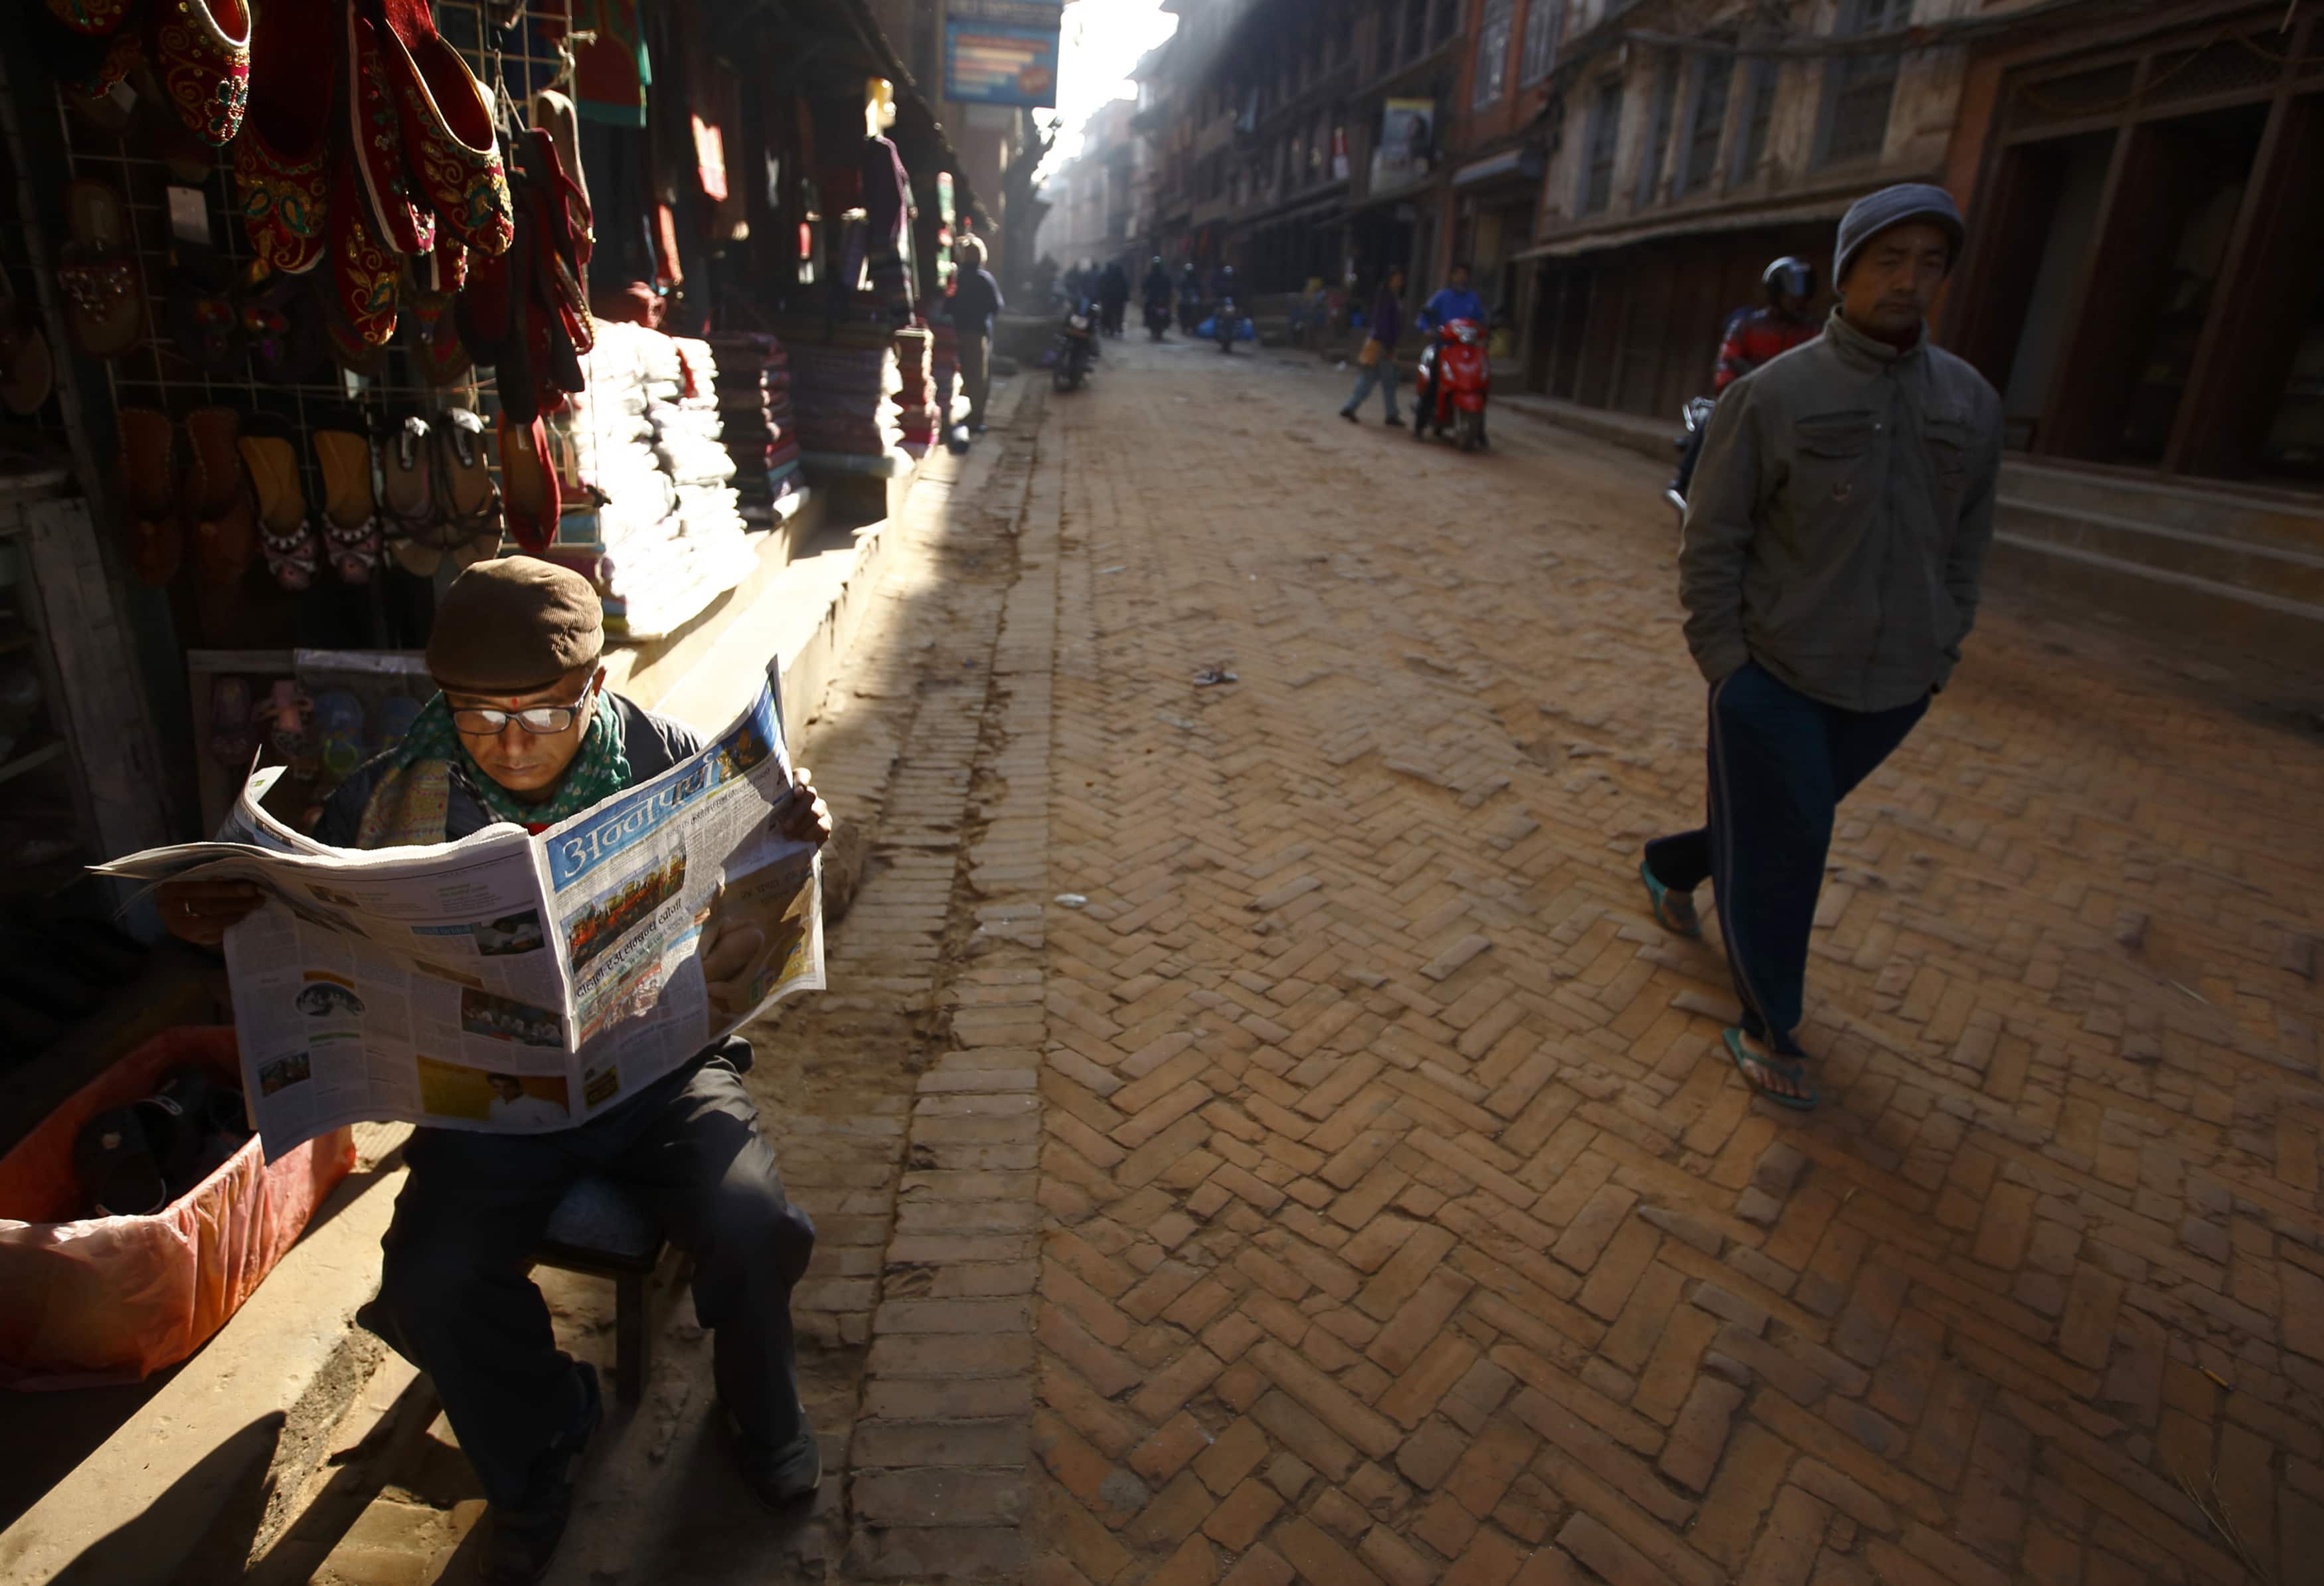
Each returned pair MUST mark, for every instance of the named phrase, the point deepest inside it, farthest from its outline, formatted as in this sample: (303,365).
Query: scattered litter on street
(1211,677)
(1071,900)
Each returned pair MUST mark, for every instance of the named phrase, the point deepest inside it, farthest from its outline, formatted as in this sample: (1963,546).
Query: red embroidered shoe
(92,17)
(200,51)
(448,141)
(281,160)
(375,138)
(363,273)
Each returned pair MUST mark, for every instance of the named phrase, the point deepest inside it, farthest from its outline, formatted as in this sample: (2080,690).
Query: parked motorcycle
(1453,362)
(1696,416)
(1076,347)
(1224,320)
(1157,317)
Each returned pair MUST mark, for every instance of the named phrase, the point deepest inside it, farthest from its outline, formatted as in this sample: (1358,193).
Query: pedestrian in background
(975,298)
(1834,541)
(1376,360)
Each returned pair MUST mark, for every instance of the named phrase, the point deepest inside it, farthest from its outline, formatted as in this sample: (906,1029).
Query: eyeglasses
(539,720)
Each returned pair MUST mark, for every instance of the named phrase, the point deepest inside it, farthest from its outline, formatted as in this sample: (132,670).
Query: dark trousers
(1689,454)
(1779,765)
(456,1301)
(975,349)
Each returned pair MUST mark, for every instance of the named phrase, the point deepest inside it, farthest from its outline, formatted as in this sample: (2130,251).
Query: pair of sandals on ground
(1783,1080)
(236,490)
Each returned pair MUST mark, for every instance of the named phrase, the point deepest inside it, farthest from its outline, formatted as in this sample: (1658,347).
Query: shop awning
(1699,225)
(1524,162)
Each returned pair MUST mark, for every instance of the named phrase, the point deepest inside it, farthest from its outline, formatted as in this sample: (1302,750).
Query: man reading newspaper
(525,730)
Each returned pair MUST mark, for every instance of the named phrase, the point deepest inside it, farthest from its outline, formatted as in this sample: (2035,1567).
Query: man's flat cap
(514,625)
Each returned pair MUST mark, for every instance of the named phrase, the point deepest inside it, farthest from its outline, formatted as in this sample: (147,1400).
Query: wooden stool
(599,1228)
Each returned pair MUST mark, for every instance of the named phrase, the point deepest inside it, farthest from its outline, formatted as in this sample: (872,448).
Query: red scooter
(1454,363)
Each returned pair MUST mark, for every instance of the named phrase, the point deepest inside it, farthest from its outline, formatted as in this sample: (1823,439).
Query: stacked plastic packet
(669,535)
(754,403)
(916,409)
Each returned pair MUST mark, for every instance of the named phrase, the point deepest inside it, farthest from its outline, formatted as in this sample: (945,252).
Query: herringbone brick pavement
(1405,1222)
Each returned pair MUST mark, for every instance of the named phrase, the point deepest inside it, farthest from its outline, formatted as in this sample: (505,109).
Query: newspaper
(508,982)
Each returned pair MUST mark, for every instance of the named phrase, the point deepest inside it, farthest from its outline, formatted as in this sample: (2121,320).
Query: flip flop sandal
(286,530)
(364,275)
(407,498)
(339,725)
(528,492)
(200,51)
(351,535)
(391,206)
(1660,901)
(281,160)
(1746,1060)
(28,369)
(282,327)
(468,498)
(150,490)
(219,495)
(449,143)
(232,738)
(204,324)
(105,301)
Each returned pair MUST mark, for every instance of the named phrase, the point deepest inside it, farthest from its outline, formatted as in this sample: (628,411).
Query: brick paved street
(1404,1222)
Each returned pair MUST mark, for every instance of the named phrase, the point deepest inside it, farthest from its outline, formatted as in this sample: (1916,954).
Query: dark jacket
(1158,286)
(1388,319)
(653,744)
(975,298)
(1837,529)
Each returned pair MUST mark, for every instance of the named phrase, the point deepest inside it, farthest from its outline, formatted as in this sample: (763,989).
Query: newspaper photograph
(507,981)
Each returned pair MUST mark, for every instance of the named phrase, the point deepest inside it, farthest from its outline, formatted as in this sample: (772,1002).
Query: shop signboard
(1406,141)
(1002,51)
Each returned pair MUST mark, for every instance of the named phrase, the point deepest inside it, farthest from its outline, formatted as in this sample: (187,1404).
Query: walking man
(975,298)
(1386,324)
(1833,544)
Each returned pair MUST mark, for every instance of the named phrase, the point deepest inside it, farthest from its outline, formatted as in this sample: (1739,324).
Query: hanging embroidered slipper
(226,527)
(374,154)
(528,493)
(94,18)
(281,160)
(200,51)
(105,302)
(282,327)
(150,492)
(362,301)
(449,144)
(286,530)
(1673,911)
(204,325)
(350,521)
(430,324)
(407,497)
(1751,1061)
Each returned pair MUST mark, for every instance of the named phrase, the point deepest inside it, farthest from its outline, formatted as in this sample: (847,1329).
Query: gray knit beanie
(1875,213)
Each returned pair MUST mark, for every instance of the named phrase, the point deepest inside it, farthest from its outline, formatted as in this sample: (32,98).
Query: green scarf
(412,801)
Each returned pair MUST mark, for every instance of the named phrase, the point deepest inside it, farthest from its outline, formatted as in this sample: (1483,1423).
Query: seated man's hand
(200,912)
(736,950)
(808,818)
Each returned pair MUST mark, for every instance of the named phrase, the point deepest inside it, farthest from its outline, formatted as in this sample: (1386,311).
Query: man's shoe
(1349,417)
(524,1538)
(1393,419)
(780,1476)
(1677,502)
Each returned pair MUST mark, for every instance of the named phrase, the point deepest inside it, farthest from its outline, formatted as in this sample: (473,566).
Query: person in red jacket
(1754,335)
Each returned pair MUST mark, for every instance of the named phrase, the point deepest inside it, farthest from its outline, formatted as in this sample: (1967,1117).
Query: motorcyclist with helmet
(1154,291)
(1753,337)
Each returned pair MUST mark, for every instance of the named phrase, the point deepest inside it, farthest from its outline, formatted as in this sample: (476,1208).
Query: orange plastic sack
(110,1299)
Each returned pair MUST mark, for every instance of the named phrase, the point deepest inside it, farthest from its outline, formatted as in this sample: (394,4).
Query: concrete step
(2279,520)
(2288,632)
(2244,563)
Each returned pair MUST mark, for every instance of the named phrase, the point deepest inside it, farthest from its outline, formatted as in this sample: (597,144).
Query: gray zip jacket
(1839,518)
